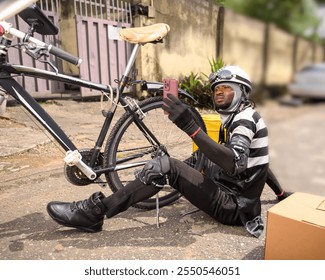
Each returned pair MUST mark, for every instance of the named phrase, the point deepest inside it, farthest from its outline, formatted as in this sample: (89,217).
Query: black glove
(154,169)
(179,114)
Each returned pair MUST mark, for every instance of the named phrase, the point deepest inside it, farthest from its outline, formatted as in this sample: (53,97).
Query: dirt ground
(31,176)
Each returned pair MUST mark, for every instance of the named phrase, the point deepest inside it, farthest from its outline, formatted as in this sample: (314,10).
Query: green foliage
(215,65)
(191,83)
(220,2)
(198,86)
(295,16)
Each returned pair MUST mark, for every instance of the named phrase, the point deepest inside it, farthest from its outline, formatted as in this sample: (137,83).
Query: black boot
(283,195)
(87,215)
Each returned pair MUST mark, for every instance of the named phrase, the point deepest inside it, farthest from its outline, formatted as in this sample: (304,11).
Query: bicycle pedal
(101,183)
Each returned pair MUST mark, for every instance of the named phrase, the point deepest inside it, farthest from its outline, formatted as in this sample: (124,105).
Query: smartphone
(170,86)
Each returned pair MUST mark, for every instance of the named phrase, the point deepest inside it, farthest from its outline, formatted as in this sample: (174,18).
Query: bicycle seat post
(131,61)
(140,35)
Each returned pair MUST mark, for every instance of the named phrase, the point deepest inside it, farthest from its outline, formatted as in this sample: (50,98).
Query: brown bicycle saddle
(146,34)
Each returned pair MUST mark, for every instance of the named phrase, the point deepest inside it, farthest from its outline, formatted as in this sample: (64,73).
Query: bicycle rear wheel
(127,144)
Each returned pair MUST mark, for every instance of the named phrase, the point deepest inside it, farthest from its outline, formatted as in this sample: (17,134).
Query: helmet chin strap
(226,117)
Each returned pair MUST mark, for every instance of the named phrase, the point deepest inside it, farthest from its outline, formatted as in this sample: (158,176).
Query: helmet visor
(221,75)
(226,75)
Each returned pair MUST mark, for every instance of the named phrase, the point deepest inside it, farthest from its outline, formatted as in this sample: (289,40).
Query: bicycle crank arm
(74,158)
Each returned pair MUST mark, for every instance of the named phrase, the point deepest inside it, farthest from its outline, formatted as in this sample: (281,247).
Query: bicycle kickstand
(157,210)
(157,199)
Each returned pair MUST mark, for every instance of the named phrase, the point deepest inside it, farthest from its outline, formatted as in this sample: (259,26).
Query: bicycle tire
(126,138)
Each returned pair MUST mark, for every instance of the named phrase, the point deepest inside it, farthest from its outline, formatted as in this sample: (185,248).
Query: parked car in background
(309,82)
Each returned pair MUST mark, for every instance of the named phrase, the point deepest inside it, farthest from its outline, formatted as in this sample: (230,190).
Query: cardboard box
(296,228)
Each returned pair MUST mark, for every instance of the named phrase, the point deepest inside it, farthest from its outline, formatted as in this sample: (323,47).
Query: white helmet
(231,73)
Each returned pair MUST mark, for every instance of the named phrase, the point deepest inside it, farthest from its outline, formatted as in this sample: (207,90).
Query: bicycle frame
(14,89)
(37,49)
(85,166)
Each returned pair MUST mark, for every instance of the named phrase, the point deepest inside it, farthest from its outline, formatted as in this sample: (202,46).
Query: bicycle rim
(126,141)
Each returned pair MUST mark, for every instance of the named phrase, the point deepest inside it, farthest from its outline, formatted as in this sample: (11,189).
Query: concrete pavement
(26,231)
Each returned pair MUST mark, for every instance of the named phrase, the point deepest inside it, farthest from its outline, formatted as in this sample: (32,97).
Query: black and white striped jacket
(247,136)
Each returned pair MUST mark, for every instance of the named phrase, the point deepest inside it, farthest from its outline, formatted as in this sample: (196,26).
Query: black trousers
(198,189)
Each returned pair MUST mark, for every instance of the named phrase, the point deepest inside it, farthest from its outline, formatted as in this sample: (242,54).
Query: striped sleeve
(250,125)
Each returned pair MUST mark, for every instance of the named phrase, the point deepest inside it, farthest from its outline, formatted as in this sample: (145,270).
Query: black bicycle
(138,134)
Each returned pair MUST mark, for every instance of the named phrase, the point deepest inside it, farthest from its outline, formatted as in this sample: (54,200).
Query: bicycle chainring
(73,173)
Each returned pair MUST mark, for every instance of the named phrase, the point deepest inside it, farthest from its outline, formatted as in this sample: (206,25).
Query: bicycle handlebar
(6,28)
(64,55)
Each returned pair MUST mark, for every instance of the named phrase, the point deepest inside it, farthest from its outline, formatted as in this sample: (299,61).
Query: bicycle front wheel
(128,146)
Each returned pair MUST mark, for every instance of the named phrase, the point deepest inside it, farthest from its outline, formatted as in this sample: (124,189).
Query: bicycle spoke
(128,146)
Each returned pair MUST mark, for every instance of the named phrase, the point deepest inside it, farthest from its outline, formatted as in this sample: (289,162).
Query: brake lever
(37,53)
(56,70)
(34,51)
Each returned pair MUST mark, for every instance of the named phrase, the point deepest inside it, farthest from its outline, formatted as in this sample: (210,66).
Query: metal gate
(104,56)
(38,87)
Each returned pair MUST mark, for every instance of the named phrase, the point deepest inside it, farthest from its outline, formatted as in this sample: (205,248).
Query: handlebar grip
(64,55)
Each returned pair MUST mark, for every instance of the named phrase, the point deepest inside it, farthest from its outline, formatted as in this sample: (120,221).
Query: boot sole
(92,229)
